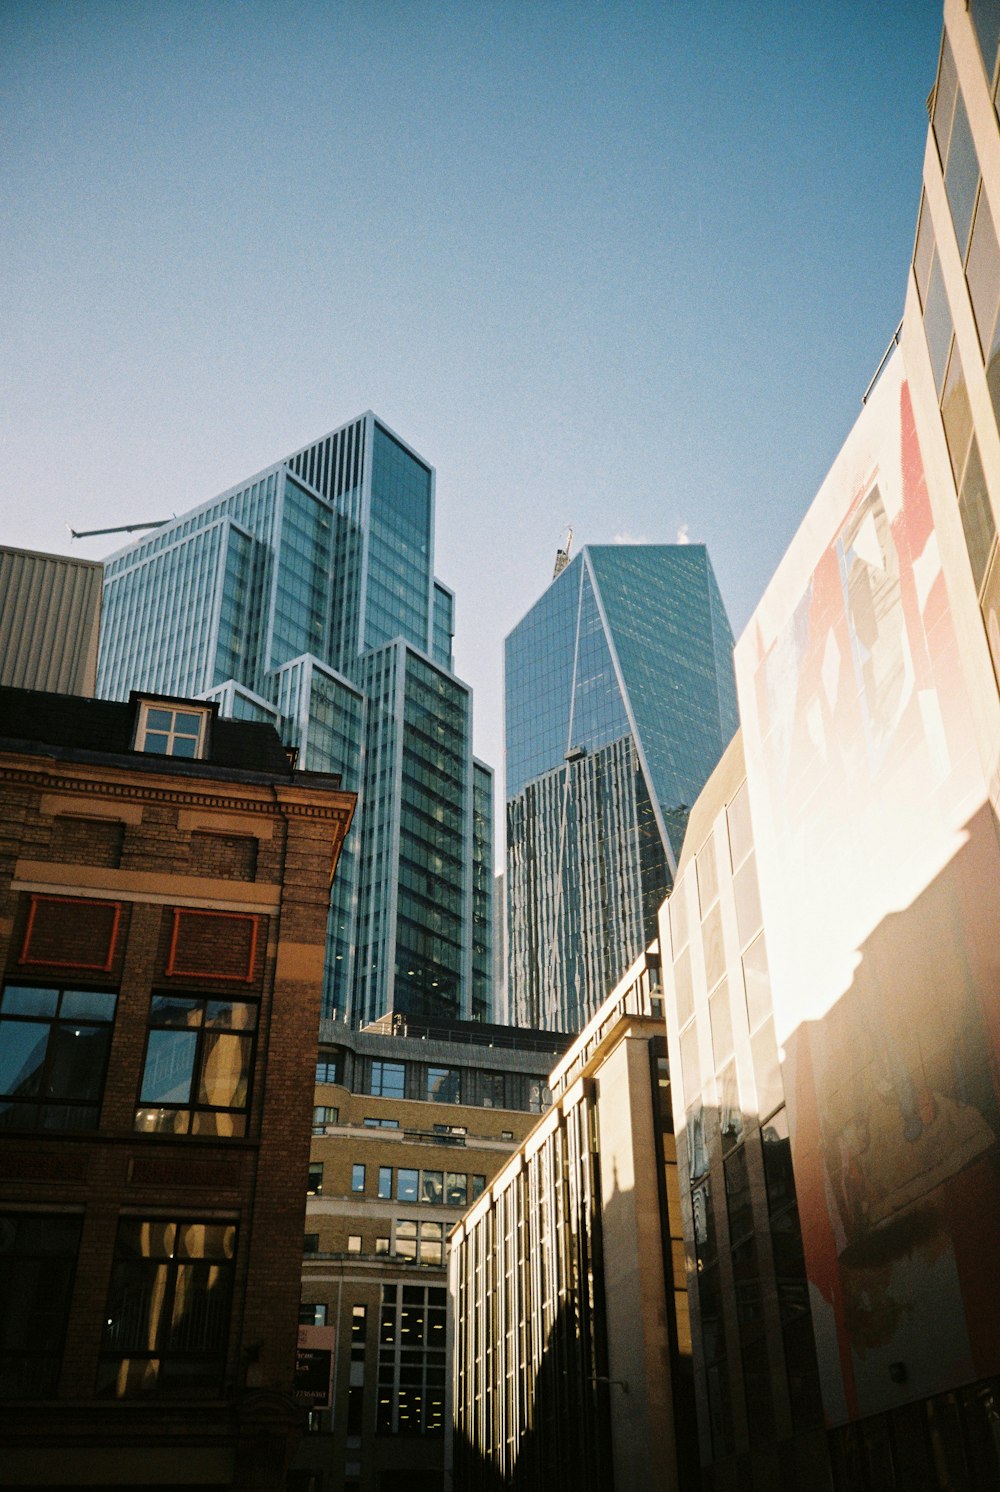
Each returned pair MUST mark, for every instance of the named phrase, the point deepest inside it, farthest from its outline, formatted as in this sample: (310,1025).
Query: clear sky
(625,266)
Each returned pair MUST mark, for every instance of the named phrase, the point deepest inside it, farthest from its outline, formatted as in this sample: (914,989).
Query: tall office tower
(306,596)
(619,700)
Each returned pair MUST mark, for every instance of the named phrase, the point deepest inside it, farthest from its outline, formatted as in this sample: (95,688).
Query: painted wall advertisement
(880,879)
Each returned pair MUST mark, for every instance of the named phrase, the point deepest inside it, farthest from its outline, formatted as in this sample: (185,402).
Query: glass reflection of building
(306,597)
(619,700)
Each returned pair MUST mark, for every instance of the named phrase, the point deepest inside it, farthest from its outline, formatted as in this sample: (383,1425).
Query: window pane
(690,1062)
(722,1025)
(730,1109)
(708,879)
(22,1055)
(357,1177)
(407,1185)
(206,1241)
(235,1015)
(924,252)
(456,1188)
(961,179)
(767,1069)
(225,1070)
(747,895)
(983,274)
(385,1182)
(704,1226)
(757,982)
(442,1085)
(738,1195)
(97,1005)
(778,1162)
(135,1305)
(678,918)
(715,958)
(740,830)
(23,1000)
(938,325)
(683,988)
(78,1058)
(977,515)
(169,1067)
(944,101)
(433,1186)
(387,1079)
(986,19)
(956,414)
(175,1010)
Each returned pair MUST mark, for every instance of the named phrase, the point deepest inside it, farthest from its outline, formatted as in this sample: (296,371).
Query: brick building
(164,885)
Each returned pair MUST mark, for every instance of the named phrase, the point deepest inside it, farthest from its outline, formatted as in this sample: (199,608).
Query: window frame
(162,1350)
(174,708)
(50,1056)
(202,1031)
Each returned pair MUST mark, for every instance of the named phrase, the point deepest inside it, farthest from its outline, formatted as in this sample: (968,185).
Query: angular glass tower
(619,700)
(306,596)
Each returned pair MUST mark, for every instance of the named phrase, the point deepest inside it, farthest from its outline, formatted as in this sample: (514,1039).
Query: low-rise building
(571,1340)
(411,1124)
(164,889)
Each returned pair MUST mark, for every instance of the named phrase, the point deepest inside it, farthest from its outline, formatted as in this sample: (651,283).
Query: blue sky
(625,266)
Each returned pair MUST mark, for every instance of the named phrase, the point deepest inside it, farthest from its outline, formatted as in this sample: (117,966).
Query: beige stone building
(571,1338)
(411,1125)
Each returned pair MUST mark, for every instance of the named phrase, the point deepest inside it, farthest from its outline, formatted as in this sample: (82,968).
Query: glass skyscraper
(619,701)
(306,596)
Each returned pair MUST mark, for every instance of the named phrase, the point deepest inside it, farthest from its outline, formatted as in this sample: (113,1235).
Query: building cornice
(284,799)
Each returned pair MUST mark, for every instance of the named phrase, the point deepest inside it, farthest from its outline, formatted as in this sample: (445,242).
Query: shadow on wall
(894,1109)
(568,1444)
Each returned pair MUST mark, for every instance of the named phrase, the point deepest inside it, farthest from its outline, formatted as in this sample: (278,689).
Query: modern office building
(164,887)
(572,1353)
(306,596)
(50,610)
(411,1124)
(619,700)
(834,931)
(754,1355)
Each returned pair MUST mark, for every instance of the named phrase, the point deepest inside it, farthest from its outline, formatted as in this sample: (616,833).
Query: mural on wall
(880,879)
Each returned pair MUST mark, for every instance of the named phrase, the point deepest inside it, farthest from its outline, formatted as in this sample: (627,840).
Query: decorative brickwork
(231,857)
(213,945)
(86,841)
(70,933)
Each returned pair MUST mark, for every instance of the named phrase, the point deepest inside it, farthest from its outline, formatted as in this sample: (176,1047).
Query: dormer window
(171,730)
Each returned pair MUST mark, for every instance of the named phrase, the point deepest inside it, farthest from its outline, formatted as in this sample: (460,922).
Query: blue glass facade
(619,700)
(306,596)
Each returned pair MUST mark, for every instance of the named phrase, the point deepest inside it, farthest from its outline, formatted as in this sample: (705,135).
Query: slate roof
(46,724)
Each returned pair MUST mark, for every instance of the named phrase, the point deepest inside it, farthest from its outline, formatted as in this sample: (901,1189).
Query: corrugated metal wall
(50,607)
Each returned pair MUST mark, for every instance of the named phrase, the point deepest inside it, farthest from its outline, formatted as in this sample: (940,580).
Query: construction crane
(562,555)
(125,528)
